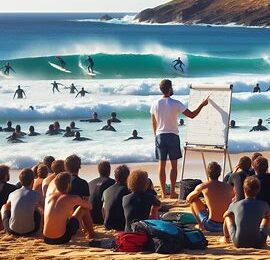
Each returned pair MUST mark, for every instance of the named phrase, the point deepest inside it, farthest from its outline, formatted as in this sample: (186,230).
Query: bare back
(58,209)
(46,182)
(218,196)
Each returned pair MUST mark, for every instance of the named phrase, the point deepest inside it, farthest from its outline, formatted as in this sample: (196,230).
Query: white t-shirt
(166,111)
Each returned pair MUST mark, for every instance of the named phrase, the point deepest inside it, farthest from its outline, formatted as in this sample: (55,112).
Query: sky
(78,5)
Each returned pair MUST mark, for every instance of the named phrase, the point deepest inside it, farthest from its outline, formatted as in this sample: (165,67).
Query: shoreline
(194,166)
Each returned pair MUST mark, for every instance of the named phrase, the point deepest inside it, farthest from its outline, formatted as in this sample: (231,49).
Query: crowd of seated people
(53,198)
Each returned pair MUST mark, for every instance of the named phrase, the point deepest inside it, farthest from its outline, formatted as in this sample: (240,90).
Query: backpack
(183,218)
(187,186)
(194,239)
(131,241)
(166,237)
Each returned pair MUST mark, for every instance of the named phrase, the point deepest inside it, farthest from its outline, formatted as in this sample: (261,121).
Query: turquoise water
(130,60)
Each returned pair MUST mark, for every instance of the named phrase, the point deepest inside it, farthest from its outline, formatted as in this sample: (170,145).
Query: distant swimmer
(68,132)
(73,126)
(79,138)
(9,127)
(32,108)
(14,139)
(268,89)
(233,124)
(91,64)
(108,127)
(259,127)
(181,122)
(134,136)
(32,131)
(18,132)
(178,63)
(6,69)
(257,89)
(114,119)
(62,62)
(51,130)
(55,86)
(19,92)
(94,119)
(73,89)
(57,128)
(82,93)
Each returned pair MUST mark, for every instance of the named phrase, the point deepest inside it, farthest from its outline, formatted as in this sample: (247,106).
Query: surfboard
(59,67)
(87,72)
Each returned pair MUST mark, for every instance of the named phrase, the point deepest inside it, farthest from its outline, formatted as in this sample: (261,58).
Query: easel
(210,148)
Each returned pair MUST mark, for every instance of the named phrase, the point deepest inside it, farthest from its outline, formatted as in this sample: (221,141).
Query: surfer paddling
(6,69)
(55,86)
(178,63)
(82,93)
(19,92)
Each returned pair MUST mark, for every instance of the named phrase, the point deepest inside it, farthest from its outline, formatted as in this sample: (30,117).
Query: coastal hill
(242,12)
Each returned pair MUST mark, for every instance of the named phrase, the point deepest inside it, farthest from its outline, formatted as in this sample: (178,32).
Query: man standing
(164,121)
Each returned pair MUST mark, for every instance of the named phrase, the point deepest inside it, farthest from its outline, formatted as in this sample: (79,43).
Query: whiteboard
(211,126)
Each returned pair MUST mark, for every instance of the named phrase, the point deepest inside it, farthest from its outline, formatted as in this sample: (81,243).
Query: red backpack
(130,241)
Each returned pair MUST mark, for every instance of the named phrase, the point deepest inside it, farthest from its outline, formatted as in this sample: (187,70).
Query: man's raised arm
(193,114)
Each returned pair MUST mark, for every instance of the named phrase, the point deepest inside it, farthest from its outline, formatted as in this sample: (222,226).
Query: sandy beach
(34,248)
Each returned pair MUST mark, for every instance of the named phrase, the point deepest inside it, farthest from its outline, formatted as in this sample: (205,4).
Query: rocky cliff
(242,12)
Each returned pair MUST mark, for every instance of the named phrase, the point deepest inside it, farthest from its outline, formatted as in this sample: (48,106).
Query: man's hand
(205,102)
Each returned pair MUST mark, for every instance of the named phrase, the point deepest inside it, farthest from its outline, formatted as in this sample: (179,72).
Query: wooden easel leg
(183,163)
(204,163)
(224,162)
(230,161)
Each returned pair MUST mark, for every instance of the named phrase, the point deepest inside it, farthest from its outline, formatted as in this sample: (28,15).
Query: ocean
(130,61)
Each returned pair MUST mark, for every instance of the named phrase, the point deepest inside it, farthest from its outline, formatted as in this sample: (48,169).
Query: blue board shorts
(208,224)
(168,145)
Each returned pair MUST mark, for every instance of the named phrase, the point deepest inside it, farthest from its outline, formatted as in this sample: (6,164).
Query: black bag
(187,186)
(166,237)
(194,239)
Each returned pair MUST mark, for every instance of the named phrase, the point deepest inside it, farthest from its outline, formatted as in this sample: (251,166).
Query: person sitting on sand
(20,93)
(96,189)
(5,188)
(73,126)
(9,127)
(247,221)
(217,195)
(79,138)
(79,187)
(134,136)
(57,167)
(82,92)
(238,176)
(112,210)
(60,224)
(181,122)
(114,119)
(21,215)
(108,127)
(32,131)
(257,89)
(14,139)
(51,131)
(73,89)
(42,173)
(261,170)
(48,160)
(94,119)
(139,204)
(259,127)
(68,132)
